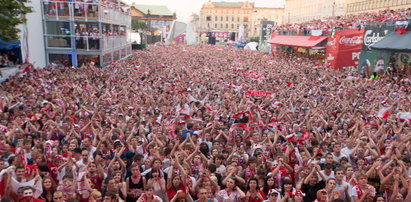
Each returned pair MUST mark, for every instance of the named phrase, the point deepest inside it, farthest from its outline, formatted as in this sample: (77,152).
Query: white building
(75,33)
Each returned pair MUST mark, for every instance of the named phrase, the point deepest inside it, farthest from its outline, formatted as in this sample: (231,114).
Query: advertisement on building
(376,61)
(404,60)
(266,28)
(370,58)
(343,48)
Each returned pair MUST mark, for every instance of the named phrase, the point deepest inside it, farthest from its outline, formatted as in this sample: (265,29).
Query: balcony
(87,43)
(81,11)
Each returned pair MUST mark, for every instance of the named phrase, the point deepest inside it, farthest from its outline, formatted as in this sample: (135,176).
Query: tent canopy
(251,46)
(297,41)
(395,42)
(9,45)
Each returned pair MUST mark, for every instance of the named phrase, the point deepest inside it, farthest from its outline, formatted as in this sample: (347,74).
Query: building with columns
(227,17)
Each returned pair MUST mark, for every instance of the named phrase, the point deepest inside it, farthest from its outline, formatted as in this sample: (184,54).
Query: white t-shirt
(326,176)
(346,152)
(342,187)
(338,158)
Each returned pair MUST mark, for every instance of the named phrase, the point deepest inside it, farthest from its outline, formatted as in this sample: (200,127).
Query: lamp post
(149,25)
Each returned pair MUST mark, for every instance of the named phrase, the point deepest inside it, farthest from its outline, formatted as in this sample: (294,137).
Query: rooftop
(224,4)
(154,9)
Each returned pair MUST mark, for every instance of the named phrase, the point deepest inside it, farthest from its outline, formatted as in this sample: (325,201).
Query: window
(226,26)
(208,25)
(232,19)
(221,18)
(215,26)
(245,19)
(64,59)
(208,18)
(216,18)
(226,19)
(238,19)
(58,28)
(232,26)
(221,25)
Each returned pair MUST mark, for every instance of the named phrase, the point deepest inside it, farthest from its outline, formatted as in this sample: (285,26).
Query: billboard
(374,60)
(266,28)
(343,48)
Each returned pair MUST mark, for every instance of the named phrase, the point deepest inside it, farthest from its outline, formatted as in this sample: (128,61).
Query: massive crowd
(204,123)
(346,21)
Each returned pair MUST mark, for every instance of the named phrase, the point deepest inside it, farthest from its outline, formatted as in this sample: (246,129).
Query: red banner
(344,48)
(257,93)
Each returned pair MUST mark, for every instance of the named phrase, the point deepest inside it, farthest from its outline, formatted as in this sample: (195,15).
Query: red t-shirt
(256,199)
(96,181)
(171,193)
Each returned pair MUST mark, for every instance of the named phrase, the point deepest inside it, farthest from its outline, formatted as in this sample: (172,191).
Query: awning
(297,41)
(9,45)
(394,42)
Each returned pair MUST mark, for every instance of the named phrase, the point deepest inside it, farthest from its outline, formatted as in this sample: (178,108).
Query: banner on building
(343,48)
(404,60)
(374,60)
(266,28)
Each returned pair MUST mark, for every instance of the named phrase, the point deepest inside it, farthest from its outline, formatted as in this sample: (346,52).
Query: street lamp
(149,25)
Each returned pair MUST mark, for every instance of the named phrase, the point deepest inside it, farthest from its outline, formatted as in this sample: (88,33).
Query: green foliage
(255,39)
(12,13)
(137,24)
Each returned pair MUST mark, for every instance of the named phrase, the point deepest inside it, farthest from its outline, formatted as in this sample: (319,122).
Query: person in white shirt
(337,154)
(328,171)
(341,185)
(348,148)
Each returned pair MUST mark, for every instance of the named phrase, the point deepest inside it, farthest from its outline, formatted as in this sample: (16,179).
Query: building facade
(298,11)
(78,32)
(158,19)
(224,18)
(359,6)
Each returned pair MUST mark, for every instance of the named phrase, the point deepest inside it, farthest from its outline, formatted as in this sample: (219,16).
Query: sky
(184,8)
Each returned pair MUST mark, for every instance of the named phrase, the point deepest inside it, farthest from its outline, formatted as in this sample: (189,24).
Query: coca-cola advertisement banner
(343,49)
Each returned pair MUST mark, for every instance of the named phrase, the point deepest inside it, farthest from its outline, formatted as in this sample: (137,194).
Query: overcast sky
(184,8)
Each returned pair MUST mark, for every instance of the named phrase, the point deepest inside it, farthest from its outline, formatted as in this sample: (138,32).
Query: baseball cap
(322,190)
(273,191)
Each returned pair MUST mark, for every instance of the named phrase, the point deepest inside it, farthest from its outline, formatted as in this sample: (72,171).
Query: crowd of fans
(346,21)
(185,123)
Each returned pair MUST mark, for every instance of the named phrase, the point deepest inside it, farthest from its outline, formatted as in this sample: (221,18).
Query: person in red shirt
(96,175)
(254,194)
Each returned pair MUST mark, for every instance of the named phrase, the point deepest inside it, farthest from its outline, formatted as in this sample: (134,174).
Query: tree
(12,13)
(137,24)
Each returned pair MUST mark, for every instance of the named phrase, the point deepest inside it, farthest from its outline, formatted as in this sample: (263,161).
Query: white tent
(178,28)
(251,46)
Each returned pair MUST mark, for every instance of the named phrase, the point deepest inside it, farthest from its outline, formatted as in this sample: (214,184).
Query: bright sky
(184,8)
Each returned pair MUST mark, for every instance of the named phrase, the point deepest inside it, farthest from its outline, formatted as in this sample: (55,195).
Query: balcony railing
(88,43)
(79,10)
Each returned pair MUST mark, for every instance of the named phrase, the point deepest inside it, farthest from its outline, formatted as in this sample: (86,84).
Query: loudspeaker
(232,36)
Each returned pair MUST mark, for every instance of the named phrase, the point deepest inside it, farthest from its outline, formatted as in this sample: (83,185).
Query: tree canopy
(12,13)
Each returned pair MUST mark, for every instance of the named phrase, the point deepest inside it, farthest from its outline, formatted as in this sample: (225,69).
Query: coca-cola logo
(355,40)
